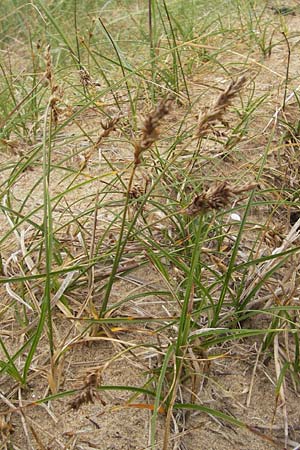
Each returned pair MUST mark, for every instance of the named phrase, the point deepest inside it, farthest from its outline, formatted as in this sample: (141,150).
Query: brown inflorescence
(210,116)
(216,197)
(150,130)
(88,392)
(108,127)
(56,91)
(86,79)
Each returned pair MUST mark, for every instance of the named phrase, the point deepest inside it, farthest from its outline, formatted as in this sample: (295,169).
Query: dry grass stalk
(88,393)
(216,197)
(208,118)
(281,393)
(150,130)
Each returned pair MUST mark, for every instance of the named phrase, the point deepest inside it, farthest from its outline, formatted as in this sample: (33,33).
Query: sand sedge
(216,197)
(215,113)
(150,130)
(205,306)
(149,134)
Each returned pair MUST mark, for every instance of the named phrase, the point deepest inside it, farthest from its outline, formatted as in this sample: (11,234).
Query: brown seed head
(88,392)
(210,116)
(86,79)
(216,197)
(150,131)
(107,126)
(48,73)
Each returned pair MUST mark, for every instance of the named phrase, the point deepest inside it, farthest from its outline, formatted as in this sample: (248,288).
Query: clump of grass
(204,305)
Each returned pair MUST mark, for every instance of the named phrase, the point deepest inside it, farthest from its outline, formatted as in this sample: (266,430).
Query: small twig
(253,376)
(281,390)
(287,70)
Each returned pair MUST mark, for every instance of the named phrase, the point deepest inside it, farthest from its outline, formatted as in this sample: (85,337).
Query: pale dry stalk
(208,118)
